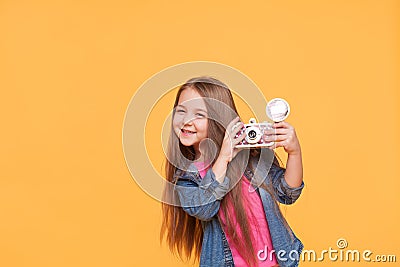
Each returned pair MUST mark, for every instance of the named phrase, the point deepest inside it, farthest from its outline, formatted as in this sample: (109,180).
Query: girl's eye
(180,111)
(200,115)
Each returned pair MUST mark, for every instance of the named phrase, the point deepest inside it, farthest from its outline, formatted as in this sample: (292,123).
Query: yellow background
(69,69)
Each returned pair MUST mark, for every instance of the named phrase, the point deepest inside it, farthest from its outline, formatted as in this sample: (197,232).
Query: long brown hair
(183,232)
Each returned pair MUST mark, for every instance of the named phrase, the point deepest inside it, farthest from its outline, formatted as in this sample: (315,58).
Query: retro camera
(277,110)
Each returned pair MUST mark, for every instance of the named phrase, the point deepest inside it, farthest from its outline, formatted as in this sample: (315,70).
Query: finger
(280,144)
(240,138)
(277,144)
(228,130)
(276,131)
(232,134)
(282,124)
(233,122)
(237,139)
(237,128)
(275,138)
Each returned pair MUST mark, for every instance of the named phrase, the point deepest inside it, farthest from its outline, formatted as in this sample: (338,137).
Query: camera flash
(277,109)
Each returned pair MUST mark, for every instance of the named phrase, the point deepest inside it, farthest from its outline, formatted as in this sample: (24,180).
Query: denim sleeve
(202,200)
(284,192)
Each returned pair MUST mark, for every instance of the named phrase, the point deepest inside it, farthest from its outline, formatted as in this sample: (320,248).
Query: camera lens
(252,134)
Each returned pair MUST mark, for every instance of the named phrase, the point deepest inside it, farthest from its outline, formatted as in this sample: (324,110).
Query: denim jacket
(201,198)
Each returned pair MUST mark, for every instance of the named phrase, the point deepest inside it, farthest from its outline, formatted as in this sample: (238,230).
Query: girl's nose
(189,121)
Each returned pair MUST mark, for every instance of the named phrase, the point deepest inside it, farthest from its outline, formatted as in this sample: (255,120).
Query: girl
(221,203)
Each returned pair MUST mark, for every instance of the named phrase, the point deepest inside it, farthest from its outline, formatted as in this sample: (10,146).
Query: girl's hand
(284,135)
(228,150)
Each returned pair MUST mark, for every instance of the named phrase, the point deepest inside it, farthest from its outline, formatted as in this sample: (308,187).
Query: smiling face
(190,121)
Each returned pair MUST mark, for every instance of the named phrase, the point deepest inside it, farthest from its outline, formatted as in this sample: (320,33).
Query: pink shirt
(258,224)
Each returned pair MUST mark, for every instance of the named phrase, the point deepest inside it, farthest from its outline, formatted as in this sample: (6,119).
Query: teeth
(186,131)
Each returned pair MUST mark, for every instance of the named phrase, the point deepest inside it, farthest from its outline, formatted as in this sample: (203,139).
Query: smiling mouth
(186,132)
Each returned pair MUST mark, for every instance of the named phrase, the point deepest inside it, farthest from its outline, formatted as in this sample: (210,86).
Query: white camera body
(254,134)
